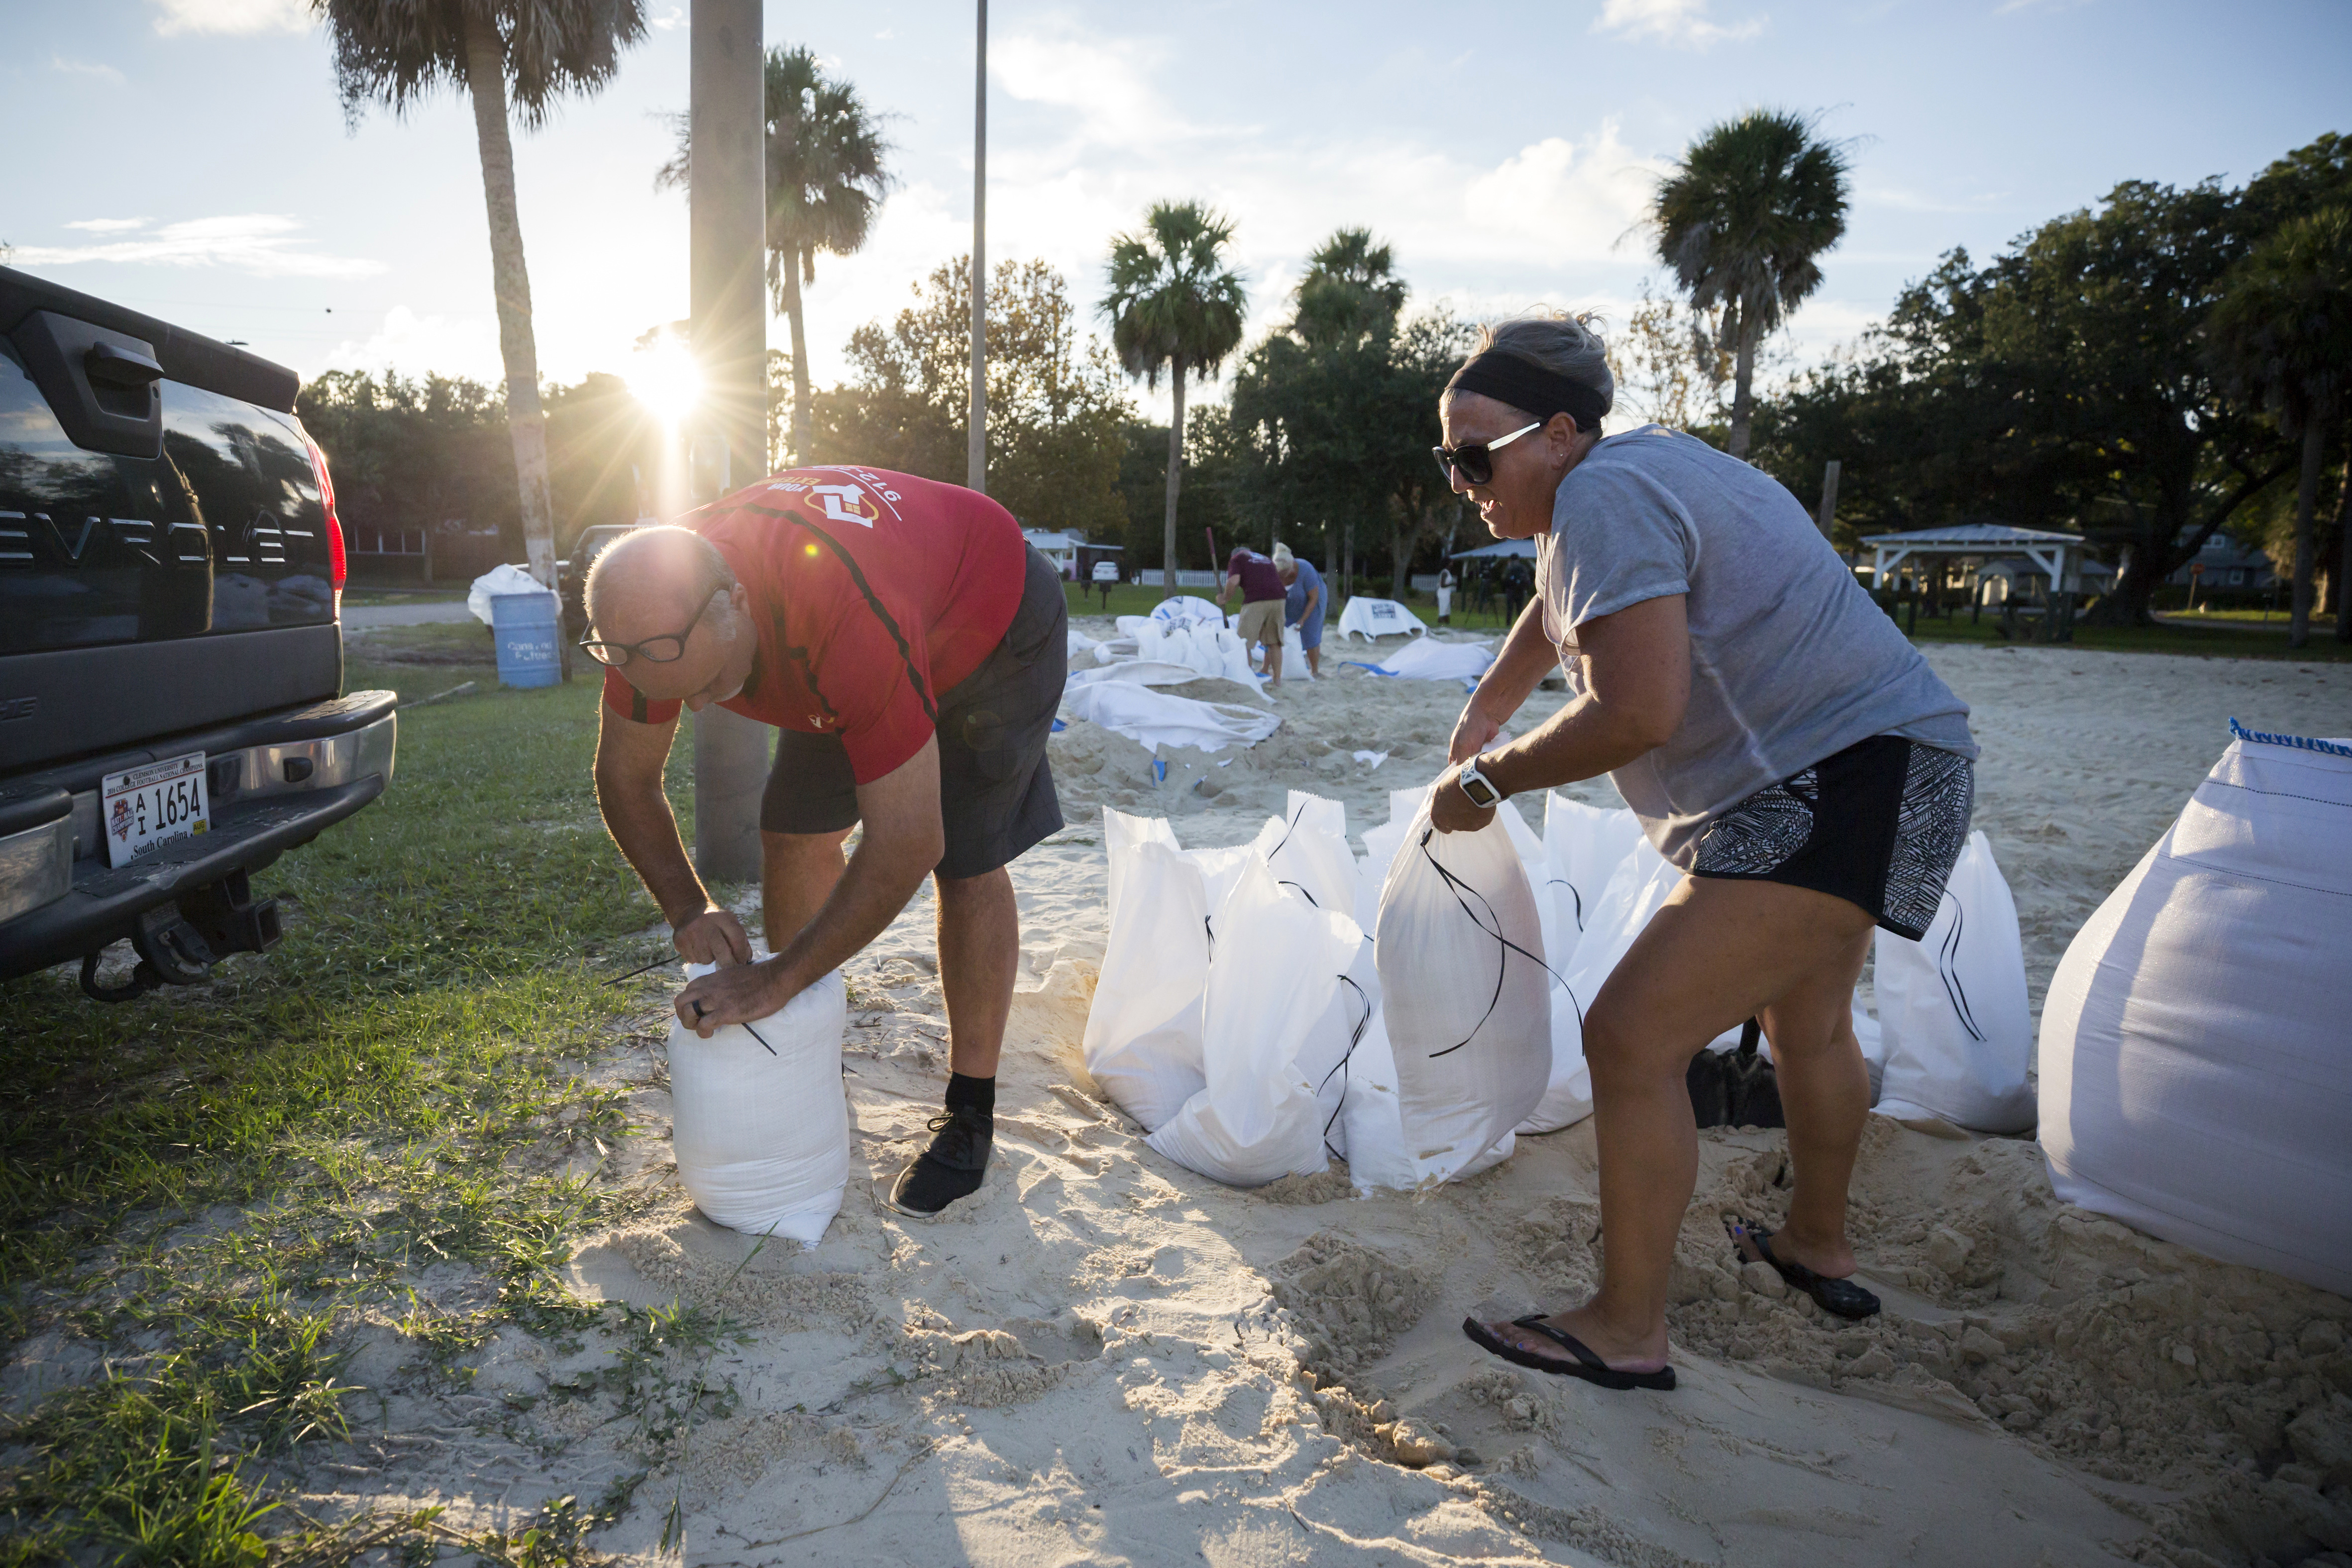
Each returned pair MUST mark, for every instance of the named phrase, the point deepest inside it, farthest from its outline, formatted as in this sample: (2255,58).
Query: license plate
(145,808)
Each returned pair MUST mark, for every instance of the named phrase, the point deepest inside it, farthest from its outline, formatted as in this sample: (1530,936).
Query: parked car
(171,643)
(572,572)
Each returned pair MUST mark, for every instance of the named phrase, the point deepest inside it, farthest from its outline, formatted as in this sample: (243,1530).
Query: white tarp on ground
(1427,659)
(2195,1063)
(1379,618)
(497,581)
(1135,673)
(1153,719)
(760,1126)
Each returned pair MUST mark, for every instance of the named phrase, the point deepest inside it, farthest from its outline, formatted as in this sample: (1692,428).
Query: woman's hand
(743,994)
(1473,732)
(1451,811)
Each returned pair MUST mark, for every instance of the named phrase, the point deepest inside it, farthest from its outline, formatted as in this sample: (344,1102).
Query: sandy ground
(1105,1358)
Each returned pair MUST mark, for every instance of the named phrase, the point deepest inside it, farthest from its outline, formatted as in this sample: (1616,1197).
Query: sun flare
(666,379)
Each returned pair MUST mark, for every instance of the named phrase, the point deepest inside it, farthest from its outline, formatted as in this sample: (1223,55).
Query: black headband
(1523,384)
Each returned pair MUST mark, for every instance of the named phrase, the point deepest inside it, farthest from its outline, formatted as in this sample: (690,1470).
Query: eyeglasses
(663,650)
(1475,459)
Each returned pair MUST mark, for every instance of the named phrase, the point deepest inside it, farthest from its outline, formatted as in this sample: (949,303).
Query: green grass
(358,596)
(208,1184)
(2222,640)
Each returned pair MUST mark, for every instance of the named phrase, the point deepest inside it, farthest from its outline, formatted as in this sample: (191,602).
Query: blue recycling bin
(525,626)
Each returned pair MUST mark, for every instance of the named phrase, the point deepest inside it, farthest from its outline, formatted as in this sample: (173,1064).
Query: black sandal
(1587,1365)
(1838,1298)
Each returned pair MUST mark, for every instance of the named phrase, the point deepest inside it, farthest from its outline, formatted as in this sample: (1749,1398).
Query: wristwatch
(1478,786)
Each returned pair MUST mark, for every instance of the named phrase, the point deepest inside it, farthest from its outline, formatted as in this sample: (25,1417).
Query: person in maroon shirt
(1264,595)
(910,648)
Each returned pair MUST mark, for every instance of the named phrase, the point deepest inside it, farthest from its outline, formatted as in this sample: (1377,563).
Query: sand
(1105,1358)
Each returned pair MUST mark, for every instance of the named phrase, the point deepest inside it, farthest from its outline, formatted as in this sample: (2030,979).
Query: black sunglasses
(1475,459)
(663,650)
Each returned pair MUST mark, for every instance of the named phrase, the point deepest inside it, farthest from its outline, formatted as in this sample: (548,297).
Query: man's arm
(1637,684)
(1233,580)
(1527,656)
(629,761)
(904,839)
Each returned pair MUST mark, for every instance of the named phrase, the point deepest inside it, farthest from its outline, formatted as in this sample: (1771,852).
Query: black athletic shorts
(1878,824)
(996,789)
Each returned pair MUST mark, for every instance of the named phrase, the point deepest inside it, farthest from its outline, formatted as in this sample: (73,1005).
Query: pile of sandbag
(1428,659)
(1239,1015)
(759,1124)
(2196,1072)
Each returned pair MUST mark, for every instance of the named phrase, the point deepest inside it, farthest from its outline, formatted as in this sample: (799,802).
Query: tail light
(336,565)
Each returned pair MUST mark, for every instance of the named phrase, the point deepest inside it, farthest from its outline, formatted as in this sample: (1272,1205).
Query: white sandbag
(1271,984)
(1427,659)
(1295,666)
(2196,1067)
(1952,1009)
(1155,718)
(1379,618)
(1206,649)
(1465,991)
(1381,845)
(1079,643)
(497,581)
(760,1133)
(1136,672)
(1583,847)
(1142,1041)
(1132,626)
(1373,1120)
(1184,610)
(1306,848)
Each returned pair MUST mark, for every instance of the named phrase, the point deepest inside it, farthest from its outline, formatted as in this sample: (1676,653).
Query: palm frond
(1171,299)
(392,52)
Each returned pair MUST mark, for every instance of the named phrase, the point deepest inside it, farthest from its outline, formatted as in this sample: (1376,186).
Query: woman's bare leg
(1825,1089)
(1716,954)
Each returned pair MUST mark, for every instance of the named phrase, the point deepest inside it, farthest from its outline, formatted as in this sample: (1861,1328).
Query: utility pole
(1829,498)
(976,455)
(727,224)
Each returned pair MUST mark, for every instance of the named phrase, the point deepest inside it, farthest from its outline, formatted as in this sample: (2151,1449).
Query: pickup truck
(171,643)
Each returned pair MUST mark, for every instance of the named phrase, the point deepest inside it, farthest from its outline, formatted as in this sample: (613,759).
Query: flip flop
(1838,1298)
(1587,1365)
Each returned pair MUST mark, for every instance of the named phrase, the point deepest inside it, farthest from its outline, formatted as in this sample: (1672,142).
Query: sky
(198,166)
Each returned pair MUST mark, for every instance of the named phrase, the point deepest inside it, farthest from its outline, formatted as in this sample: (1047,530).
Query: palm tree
(826,181)
(1350,291)
(1742,220)
(2283,332)
(1174,306)
(393,53)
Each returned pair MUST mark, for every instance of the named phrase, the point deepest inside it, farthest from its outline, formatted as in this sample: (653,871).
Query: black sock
(977,1093)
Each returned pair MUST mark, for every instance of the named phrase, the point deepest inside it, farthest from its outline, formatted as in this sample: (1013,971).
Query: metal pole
(727,235)
(976,455)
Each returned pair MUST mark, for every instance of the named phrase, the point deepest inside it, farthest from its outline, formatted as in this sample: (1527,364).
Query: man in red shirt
(1263,597)
(909,647)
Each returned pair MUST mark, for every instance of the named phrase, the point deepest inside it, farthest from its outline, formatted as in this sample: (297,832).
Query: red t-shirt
(1259,580)
(871,594)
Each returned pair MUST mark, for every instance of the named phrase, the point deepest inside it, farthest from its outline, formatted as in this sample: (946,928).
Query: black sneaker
(951,1168)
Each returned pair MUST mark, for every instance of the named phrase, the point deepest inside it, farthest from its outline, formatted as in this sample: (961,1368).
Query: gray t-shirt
(1791,659)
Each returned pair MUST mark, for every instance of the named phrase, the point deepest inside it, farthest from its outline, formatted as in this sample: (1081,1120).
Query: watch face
(1482,794)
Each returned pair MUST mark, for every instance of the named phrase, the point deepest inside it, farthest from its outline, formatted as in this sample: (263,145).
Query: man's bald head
(653,580)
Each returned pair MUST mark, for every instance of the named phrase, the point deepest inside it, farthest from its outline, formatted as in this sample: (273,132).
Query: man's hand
(744,994)
(1451,811)
(1473,732)
(713,937)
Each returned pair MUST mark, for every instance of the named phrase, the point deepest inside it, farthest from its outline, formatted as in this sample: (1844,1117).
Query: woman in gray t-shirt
(1781,743)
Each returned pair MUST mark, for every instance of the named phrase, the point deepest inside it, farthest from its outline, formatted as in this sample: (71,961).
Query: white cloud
(262,244)
(1684,22)
(414,345)
(241,16)
(107,225)
(74,68)
(670,20)
(1104,82)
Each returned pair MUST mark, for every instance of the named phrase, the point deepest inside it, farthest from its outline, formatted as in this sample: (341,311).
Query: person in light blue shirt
(1304,606)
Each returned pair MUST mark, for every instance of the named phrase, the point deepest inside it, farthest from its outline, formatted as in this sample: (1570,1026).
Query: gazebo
(2058,556)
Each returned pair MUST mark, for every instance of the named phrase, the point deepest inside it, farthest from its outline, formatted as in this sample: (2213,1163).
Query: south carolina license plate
(144,807)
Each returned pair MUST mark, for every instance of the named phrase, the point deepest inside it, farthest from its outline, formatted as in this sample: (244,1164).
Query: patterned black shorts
(1878,824)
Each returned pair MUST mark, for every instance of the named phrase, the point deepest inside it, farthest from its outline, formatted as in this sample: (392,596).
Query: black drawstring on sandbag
(1354,1039)
(1946,957)
(1457,887)
(1563,881)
